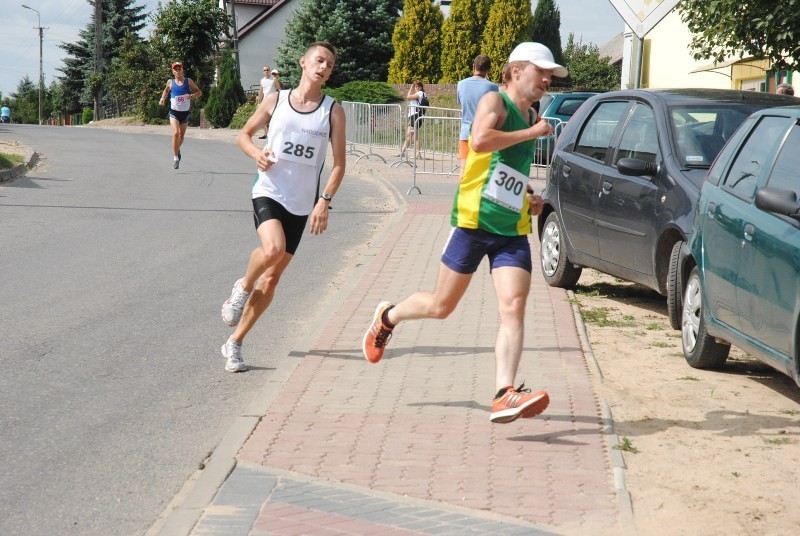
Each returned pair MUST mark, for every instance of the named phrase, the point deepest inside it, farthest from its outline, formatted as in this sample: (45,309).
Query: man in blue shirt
(5,113)
(469,92)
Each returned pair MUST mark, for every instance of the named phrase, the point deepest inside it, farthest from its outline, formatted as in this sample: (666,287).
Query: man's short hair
(506,76)
(784,89)
(323,44)
(482,63)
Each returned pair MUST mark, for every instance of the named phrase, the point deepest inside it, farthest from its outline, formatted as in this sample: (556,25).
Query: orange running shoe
(377,335)
(516,403)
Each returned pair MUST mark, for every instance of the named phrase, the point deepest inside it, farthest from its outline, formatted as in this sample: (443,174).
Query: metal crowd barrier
(545,145)
(435,151)
(372,126)
(437,135)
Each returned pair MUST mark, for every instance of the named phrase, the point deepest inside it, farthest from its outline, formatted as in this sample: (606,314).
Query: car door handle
(749,231)
(565,170)
(606,188)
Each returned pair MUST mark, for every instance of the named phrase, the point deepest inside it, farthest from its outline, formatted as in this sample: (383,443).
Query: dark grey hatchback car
(625,178)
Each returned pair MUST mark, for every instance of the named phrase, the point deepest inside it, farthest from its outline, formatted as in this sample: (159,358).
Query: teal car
(742,267)
(557,109)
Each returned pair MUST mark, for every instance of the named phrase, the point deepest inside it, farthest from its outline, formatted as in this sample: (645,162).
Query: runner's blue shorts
(466,248)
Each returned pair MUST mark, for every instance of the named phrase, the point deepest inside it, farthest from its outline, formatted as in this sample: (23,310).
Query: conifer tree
(508,25)
(225,98)
(461,37)
(546,27)
(361,31)
(417,41)
(120,18)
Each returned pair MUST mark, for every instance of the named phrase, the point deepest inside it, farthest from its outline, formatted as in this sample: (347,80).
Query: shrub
(242,115)
(227,95)
(371,92)
(155,113)
(88,115)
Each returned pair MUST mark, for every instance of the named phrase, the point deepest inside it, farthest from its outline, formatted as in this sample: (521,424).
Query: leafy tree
(227,95)
(546,27)
(508,25)
(417,41)
(190,31)
(587,69)
(764,29)
(461,37)
(136,76)
(359,29)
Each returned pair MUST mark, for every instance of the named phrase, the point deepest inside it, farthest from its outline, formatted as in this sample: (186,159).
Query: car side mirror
(778,200)
(636,167)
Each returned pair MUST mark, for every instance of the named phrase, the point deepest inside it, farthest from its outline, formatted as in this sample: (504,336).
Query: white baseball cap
(539,55)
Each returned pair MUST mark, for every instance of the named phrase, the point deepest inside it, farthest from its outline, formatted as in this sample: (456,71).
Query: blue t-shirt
(469,92)
(5,111)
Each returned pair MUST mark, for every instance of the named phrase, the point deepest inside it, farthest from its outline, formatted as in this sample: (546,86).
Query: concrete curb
(184,511)
(30,158)
(614,454)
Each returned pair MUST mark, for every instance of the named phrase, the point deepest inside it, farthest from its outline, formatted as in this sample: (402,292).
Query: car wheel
(557,269)
(675,287)
(700,349)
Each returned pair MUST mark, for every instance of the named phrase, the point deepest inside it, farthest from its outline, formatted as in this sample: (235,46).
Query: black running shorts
(265,208)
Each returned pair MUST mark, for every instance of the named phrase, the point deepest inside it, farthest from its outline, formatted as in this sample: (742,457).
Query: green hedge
(242,114)
(371,92)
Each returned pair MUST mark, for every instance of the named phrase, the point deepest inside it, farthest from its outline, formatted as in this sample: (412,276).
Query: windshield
(701,131)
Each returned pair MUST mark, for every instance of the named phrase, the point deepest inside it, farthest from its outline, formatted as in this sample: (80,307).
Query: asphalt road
(113,267)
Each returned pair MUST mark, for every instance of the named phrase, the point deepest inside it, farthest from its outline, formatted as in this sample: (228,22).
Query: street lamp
(39,27)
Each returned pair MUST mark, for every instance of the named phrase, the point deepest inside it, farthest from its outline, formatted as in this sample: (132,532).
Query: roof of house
(614,48)
(270,6)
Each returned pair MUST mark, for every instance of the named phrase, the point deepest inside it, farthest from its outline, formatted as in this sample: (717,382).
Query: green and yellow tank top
(491,194)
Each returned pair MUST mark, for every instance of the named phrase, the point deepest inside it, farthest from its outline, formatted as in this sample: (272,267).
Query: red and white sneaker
(377,335)
(516,403)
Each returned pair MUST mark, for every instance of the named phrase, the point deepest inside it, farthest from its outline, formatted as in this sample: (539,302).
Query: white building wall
(260,45)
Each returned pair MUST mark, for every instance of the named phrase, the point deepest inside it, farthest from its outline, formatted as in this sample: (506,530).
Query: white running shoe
(232,353)
(233,307)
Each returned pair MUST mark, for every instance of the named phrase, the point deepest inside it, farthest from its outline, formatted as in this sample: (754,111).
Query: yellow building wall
(667,61)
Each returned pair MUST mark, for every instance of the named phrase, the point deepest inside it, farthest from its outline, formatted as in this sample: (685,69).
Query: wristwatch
(326,197)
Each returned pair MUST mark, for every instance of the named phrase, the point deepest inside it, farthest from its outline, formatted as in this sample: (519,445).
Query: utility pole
(98,55)
(235,37)
(41,74)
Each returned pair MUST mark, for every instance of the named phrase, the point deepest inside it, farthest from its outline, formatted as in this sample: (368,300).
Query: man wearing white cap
(491,217)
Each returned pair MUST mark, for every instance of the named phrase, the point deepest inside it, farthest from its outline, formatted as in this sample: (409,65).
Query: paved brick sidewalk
(405,446)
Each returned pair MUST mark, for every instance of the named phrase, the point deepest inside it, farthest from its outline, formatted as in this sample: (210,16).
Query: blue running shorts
(466,248)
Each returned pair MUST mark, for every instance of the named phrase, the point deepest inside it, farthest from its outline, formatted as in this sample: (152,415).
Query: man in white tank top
(286,194)
(269,84)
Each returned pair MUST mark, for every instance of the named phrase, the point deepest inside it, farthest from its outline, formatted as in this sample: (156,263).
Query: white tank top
(300,142)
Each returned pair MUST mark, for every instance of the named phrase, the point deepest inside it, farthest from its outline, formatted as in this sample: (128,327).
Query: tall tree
(461,37)
(587,69)
(764,29)
(417,41)
(508,25)
(546,27)
(120,18)
(361,31)
(190,31)
(26,105)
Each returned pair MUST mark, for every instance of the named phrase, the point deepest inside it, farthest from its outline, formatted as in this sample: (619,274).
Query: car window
(701,131)
(754,155)
(786,171)
(570,106)
(598,130)
(725,156)
(640,139)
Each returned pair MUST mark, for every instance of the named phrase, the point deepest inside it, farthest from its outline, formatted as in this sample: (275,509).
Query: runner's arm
(165,92)
(196,93)
(489,118)
(256,122)
(318,222)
